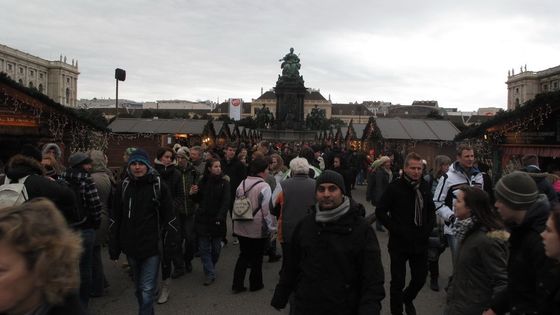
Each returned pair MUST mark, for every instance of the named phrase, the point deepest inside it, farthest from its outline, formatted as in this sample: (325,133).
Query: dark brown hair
(478,202)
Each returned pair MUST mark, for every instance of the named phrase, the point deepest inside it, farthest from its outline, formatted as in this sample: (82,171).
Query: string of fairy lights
(59,125)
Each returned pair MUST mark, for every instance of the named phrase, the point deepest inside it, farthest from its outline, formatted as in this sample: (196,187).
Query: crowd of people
(161,212)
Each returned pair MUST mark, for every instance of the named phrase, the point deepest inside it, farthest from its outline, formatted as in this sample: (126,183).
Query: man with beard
(335,263)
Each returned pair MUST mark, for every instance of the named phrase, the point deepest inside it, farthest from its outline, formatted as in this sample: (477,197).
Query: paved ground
(189,296)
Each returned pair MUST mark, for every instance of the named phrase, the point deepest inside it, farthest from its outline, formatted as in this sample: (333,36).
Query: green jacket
(480,272)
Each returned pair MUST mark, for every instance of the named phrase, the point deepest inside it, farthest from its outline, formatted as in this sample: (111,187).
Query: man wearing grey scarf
(332,248)
(407,210)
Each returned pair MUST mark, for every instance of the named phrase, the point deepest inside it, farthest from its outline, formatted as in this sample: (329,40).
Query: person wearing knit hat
(139,155)
(525,211)
(517,190)
(332,177)
(142,213)
(332,248)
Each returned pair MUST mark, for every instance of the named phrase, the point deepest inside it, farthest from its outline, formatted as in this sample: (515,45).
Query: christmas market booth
(151,134)
(27,116)
(533,128)
(426,137)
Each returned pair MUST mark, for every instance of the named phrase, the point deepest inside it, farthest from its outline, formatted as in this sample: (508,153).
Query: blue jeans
(145,273)
(86,265)
(209,249)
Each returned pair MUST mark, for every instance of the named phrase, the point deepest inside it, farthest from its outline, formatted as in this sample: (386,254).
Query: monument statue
(290,93)
(316,119)
(290,65)
(264,117)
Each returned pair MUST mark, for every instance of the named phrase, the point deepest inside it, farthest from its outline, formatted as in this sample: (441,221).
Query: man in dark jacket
(142,208)
(335,265)
(189,177)
(79,179)
(407,210)
(234,169)
(525,211)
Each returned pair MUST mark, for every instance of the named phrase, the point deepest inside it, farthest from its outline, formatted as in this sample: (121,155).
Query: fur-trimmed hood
(20,166)
(498,234)
(55,147)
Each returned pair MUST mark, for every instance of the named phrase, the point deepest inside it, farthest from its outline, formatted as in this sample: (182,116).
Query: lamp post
(120,75)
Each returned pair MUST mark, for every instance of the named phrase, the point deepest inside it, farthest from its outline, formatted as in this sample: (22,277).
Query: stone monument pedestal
(289,109)
(276,135)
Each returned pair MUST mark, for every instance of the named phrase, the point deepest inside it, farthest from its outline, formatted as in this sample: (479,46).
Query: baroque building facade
(523,87)
(57,79)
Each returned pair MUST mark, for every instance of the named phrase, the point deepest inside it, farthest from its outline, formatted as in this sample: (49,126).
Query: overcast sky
(455,52)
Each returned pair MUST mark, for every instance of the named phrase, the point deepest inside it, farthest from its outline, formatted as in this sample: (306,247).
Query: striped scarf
(418,200)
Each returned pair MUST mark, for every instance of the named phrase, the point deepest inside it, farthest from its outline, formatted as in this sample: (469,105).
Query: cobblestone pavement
(189,296)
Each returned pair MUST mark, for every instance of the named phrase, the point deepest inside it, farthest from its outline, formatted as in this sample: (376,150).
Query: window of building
(545,87)
(41,88)
(31,85)
(20,81)
(9,67)
(20,70)
(31,73)
(517,104)
(516,90)
(40,75)
(555,85)
(67,101)
(68,80)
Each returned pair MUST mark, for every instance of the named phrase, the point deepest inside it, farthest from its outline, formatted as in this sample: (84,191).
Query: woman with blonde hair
(39,256)
(277,167)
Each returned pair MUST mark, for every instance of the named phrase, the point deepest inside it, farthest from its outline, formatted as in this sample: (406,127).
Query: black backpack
(77,215)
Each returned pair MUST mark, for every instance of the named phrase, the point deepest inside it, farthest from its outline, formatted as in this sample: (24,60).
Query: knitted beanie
(517,190)
(141,156)
(332,177)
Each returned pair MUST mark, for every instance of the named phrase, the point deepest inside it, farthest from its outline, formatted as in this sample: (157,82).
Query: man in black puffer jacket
(335,265)
(142,214)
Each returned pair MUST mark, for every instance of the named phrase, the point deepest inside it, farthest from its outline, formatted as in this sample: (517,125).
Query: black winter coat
(172,178)
(336,268)
(213,199)
(38,185)
(395,210)
(237,172)
(529,269)
(134,219)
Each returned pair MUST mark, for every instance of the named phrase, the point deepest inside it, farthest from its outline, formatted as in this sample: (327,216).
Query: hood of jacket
(20,166)
(163,170)
(55,147)
(537,215)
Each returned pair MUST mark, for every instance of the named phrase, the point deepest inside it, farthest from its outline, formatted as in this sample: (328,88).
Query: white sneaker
(164,295)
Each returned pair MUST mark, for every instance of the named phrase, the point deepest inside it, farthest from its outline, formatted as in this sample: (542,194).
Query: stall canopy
(158,126)
(416,129)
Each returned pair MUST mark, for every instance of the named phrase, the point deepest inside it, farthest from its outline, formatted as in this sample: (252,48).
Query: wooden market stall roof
(416,129)
(158,126)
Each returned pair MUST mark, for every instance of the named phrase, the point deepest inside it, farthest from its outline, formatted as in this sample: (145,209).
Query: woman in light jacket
(481,265)
(253,234)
